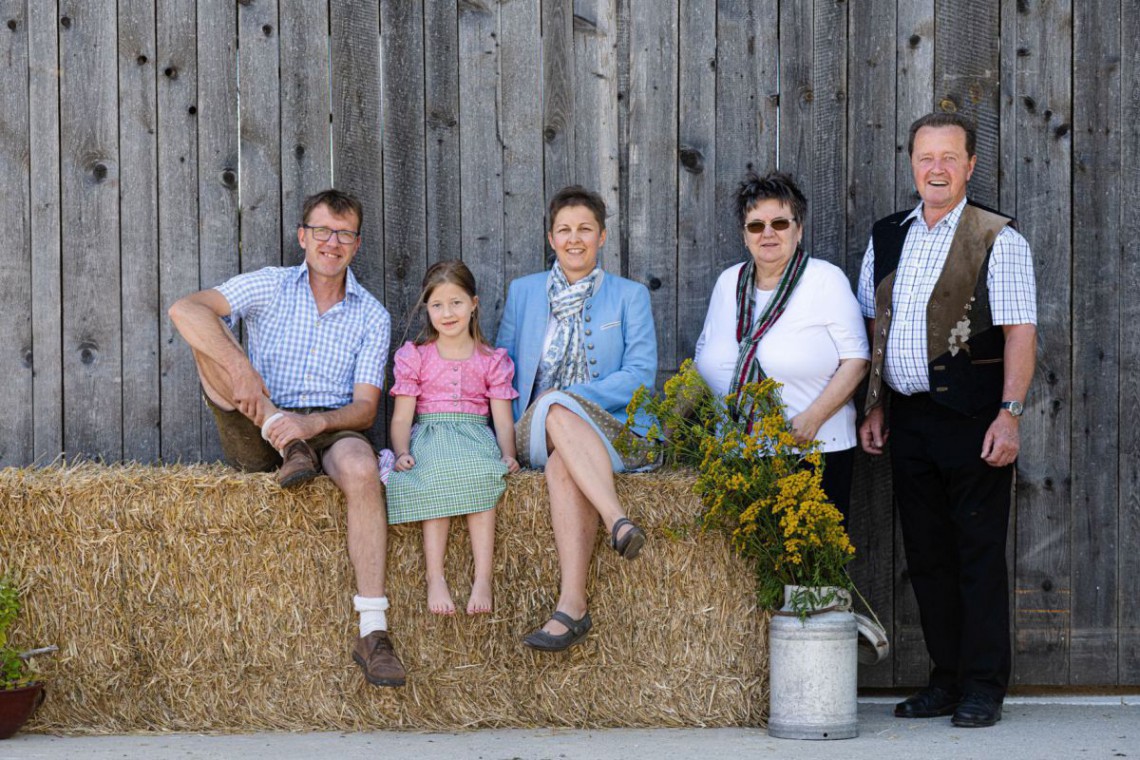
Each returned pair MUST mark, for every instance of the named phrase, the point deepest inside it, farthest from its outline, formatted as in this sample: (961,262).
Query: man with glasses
(948,292)
(318,344)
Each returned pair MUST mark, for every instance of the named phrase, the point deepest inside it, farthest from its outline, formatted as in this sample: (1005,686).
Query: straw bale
(196,598)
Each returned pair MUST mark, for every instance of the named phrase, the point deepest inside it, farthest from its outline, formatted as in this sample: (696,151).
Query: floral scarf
(564,360)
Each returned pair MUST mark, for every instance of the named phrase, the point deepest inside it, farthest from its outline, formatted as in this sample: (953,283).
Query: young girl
(448,464)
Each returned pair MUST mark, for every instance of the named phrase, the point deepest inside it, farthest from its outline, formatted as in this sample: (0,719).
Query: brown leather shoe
(300,465)
(375,656)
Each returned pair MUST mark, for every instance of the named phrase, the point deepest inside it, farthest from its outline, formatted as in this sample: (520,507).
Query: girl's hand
(512,464)
(405,462)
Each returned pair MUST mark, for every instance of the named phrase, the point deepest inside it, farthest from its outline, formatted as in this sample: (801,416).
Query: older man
(950,301)
(318,343)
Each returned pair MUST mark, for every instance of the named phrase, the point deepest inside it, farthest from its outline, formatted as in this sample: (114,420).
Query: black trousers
(837,469)
(954,513)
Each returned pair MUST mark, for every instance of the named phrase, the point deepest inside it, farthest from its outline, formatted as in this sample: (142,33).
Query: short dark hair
(576,195)
(941,119)
(338,202)
(778,186)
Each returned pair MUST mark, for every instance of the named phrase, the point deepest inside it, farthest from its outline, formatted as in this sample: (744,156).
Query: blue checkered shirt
(1013,292)
(306,358)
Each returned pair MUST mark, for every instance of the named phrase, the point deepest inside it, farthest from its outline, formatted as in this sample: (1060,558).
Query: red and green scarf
(750,330)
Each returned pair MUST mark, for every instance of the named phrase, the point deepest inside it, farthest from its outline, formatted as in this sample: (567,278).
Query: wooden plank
(47,299)
(696,180)
(1043,126)
(405,214)
(870,148)
(15,208)
(1128,457)
(747,100)
(357,168)
(1096,341)
(259,105)
(138,240)
(796,100)
(966,66)
(914,77)
(558,94)
(306,167)
(524,243)
(914,96)
(827,202)
(596,149)
(481,152)
(178,220)
(624,14)
(218,221)
(89,165)
(441,110)
(653,162)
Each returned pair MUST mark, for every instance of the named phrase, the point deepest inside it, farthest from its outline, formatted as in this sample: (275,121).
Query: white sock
(372,615)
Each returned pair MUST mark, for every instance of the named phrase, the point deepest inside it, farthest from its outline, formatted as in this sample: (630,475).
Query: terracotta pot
(17,705)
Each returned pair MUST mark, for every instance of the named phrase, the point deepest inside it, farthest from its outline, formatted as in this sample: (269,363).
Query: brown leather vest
(964,348)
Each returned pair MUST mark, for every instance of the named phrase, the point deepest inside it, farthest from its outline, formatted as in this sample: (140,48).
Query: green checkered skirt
(459,470)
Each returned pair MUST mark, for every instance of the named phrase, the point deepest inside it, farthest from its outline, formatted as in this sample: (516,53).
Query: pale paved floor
(1055,728)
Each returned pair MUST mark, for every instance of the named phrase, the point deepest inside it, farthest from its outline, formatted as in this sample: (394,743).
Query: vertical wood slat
(520,65)
(966,66)
(871,90)
(218,220)
(914,45)
(1096,341)
(357,157)
(89,199)
(596,150)
(48,403)
(16,346)
(827,203)
(260,119)
(405,212)
(1043,576)
(696,180)
(1128,564)
(796,103)
(481,153)
(306,167)
(653,179)
(138,241)
(441,113)
(177,216)
(557,94)
(746,97)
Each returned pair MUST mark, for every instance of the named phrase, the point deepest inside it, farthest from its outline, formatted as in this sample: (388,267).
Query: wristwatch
(1014,408)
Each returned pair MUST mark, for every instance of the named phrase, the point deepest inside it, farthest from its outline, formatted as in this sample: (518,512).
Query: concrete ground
(1037,728)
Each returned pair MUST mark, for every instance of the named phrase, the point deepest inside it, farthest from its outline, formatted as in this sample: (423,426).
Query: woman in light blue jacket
(582,341)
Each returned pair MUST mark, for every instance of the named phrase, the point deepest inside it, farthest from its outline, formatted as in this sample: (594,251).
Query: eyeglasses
(323,234)
(756,226)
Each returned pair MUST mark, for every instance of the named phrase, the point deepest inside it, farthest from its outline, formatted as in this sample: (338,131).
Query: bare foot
(439,597)
(481,595)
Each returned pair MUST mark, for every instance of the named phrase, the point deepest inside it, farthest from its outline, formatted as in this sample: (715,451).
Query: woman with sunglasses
(785,315)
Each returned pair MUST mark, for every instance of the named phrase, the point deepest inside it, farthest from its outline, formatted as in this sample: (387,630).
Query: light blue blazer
(621,342)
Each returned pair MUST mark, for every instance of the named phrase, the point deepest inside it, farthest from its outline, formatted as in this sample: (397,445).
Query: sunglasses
(757,226)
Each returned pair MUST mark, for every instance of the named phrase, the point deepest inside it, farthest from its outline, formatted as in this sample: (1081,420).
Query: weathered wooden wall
(151,147)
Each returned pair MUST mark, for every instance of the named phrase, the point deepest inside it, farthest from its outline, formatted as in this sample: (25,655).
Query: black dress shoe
(977,711)
(931,702)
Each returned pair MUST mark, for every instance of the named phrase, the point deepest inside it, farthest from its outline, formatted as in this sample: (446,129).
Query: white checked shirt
(306,358)
(1013,292)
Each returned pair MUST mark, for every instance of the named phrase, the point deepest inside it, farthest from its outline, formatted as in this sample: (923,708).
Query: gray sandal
(629,546)
(576,630)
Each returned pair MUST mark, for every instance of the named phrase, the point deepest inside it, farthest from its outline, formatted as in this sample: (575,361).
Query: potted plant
(20,695)
(765,493)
